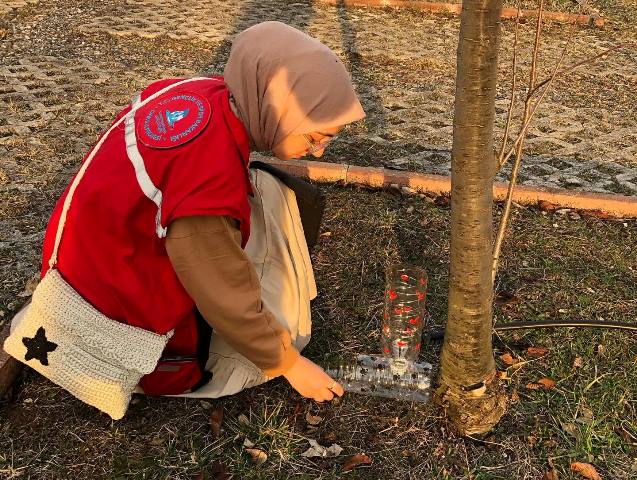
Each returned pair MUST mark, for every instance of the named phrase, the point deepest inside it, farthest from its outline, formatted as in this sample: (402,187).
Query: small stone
(407,190)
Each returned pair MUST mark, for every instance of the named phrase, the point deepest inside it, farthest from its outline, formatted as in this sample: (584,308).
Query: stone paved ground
(68,66)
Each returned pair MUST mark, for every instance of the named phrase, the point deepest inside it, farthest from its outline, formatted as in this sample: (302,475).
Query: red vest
(195,151)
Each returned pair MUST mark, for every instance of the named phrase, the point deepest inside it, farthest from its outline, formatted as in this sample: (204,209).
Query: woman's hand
(311,381)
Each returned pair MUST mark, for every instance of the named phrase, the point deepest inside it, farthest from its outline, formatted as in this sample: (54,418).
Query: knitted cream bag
(63,337)
(98,360)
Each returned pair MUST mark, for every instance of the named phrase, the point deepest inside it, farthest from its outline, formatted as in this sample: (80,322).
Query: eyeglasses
(317,146)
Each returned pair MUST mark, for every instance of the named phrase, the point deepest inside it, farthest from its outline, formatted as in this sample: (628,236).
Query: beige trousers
(278,250)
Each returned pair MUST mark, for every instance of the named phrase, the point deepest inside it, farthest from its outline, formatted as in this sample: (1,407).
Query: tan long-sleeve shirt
(206,254)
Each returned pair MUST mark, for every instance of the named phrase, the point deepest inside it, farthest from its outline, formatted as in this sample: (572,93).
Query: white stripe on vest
(144,181)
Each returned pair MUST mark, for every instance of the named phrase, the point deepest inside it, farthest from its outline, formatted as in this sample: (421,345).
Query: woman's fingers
(338,389)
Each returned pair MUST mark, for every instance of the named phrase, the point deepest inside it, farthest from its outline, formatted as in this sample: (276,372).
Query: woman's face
(297,146)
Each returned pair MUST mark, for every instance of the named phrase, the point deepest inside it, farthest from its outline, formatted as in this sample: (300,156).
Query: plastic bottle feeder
(396,373)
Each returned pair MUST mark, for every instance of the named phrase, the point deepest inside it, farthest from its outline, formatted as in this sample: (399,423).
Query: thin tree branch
(518,155)
(536,48)
(584,62)
(502,160)
(507,126)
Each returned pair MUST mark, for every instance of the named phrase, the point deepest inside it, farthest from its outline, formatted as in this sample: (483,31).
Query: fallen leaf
(571,429)
(595,214)
(550,443)
(586,470)
(546,206)
(442,201)
(216,417)
(247,443)
(329,437)
(537,351)
(313,419)
(586,416)
(506,298)
(601,349)
(508,359)
(242,419)
(578,362)
(355,461)
(258,456)
(551,475)
(503,375)
(547,383)
(326,234)
(317,450)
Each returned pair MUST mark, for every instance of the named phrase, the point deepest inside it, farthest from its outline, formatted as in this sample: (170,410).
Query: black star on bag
(38,347)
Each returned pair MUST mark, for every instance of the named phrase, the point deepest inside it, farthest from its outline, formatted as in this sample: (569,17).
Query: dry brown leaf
(355,461)
(551,475)
(595,214)
(326,234)
(585,416)
(571,429)
(586,470)
(313,419)
(537,351)
(258,456)
(508,359)
(216,417)
(547,383)
(578,362)
(506,298)
(534,386)
(503,375)
(547,206)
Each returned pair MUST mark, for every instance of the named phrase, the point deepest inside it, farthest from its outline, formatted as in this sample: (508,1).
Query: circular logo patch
(172,119)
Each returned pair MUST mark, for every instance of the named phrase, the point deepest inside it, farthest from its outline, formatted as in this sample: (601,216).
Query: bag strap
(130,115)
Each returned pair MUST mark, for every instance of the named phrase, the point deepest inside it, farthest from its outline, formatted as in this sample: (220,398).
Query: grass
(553,267)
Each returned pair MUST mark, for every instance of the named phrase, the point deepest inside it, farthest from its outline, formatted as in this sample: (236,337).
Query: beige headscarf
(285,82)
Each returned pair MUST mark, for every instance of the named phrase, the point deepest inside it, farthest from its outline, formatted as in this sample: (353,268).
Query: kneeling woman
(171,267)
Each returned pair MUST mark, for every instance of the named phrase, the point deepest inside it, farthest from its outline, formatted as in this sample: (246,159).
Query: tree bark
(469,388)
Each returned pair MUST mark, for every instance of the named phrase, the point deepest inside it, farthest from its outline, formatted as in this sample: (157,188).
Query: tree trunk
(469,388)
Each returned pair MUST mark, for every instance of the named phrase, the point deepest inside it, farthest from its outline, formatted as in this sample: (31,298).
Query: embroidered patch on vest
(172,119)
